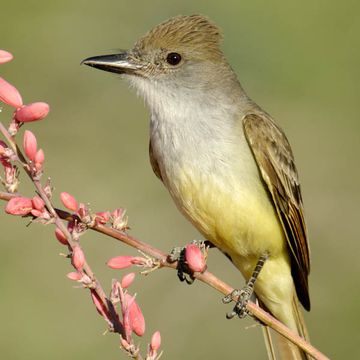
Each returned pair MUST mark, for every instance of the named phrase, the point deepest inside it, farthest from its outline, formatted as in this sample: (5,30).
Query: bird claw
(243,296)
(178,254)
(175,253)
(183,273)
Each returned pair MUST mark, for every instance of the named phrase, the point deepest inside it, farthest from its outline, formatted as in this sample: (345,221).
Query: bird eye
(173,58)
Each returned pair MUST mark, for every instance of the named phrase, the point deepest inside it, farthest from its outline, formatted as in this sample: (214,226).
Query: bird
(227,165)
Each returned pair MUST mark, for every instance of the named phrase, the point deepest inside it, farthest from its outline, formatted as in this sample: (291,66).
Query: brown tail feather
(284,349)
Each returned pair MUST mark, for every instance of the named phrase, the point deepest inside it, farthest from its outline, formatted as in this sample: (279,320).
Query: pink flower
(19,206)
(195,258)
(83,213)
(9,94)
(75,276)
(79,277)
(78,258)
(100,307)
(136,318)
(69,201)
(119,220)
(32,112)
(39,159)
(5,57)
(36,213)
(102,217)
(127,280)
(155,341)
(120,262)
(38,209)
(30,145)
(61,236)
(38,203)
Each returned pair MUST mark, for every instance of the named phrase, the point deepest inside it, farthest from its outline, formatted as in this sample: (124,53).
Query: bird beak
(116,63)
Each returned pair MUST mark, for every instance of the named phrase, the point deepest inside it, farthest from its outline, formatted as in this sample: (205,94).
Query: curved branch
(205,277)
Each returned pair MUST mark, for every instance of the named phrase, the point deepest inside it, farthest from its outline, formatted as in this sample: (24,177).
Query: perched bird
(227,165)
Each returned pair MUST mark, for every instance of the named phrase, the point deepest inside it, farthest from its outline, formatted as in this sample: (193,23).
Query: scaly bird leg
(243,295)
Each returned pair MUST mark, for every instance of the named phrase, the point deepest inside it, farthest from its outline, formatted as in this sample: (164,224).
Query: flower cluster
(120,310)
(24,206)
(22,114)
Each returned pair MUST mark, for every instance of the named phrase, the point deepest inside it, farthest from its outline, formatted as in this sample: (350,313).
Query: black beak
(116,63)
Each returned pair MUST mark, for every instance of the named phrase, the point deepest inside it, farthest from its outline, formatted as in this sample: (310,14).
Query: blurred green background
(298,60)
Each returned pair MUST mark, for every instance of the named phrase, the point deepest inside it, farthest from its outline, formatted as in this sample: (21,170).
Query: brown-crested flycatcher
(227,165)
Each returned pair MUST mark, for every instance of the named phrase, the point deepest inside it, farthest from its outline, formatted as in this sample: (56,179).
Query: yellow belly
(242,222)
(236,218)
(237,215)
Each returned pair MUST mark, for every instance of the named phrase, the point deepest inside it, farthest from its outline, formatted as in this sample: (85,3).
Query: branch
(42,210)
(206,277)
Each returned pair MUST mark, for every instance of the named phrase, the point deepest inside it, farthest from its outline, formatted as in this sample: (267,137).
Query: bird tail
(278,347)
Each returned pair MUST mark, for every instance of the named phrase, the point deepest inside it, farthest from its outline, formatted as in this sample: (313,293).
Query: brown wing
(275,160)
(154,163)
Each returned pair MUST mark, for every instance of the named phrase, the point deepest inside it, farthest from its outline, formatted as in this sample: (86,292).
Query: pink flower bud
(39,159)
(38,203)
(80,277)
(5,57)
(100,307)
(136,318)
(78,258)
(120,262)
(103,217)
(75,276)
(83,213)
(61,236)
(36,213)
(19,206)
(9,94)
(155,341)
(30,145)
(127,280)
(69,201)
(32,112)
(194,258)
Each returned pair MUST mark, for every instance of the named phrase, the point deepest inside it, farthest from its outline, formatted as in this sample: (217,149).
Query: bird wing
(275,160)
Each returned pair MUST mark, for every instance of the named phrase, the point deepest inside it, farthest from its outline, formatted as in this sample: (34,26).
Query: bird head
(168,48)
(180,57)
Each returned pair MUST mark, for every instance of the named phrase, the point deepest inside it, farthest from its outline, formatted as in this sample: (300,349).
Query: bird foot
(178,254)
(183,272)
(243,296)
